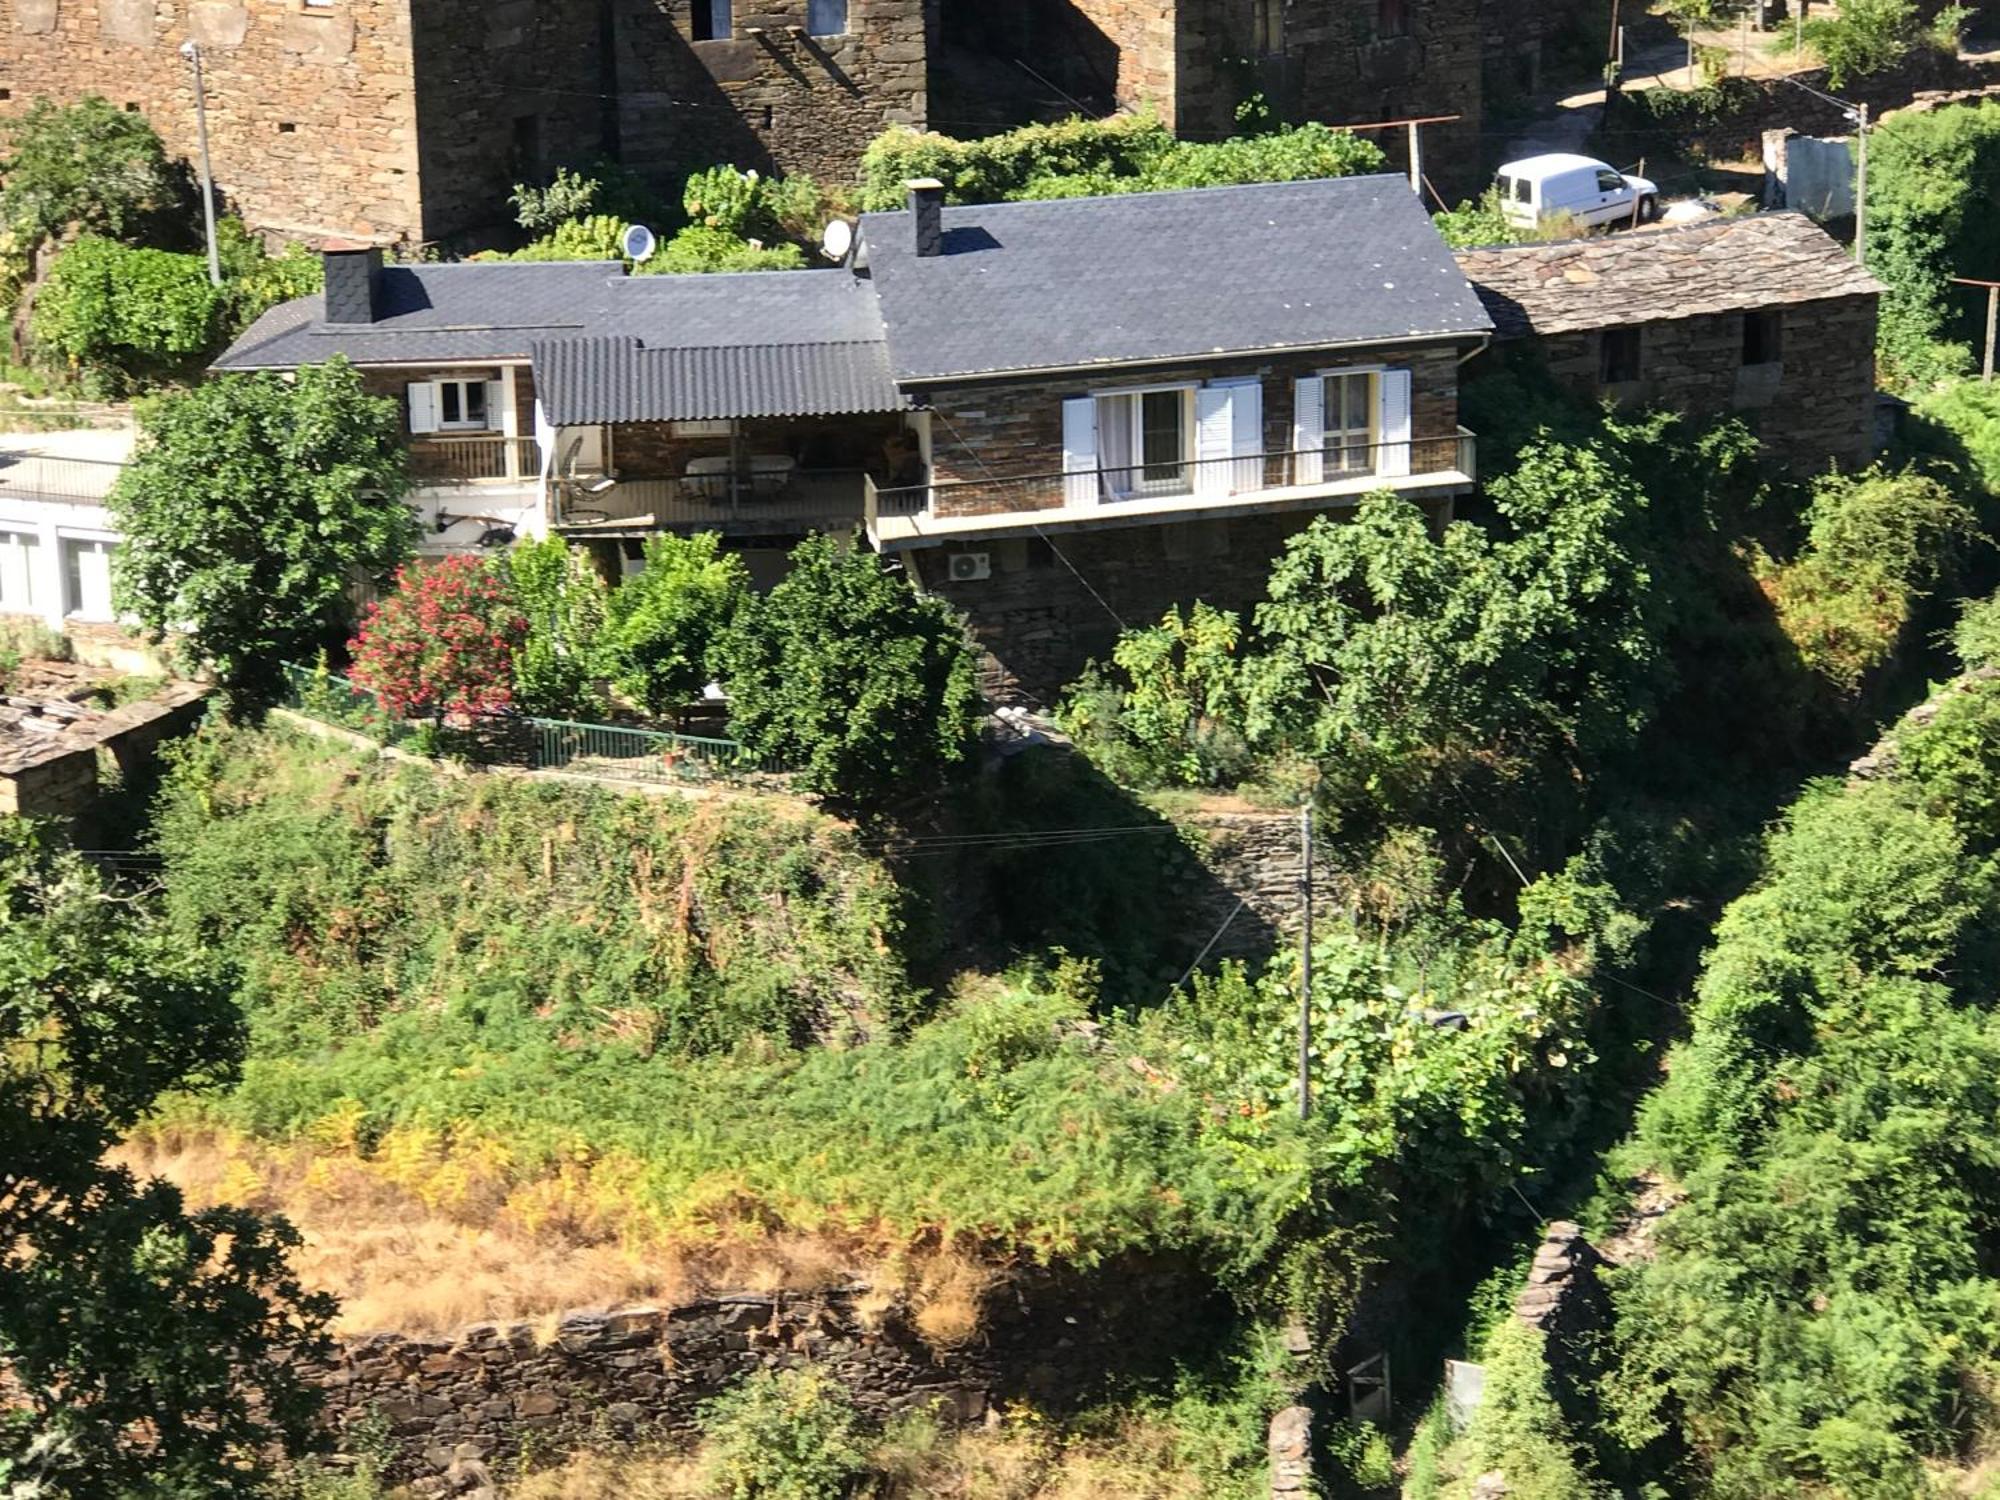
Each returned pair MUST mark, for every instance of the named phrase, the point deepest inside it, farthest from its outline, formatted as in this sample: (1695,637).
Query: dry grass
(419,1242)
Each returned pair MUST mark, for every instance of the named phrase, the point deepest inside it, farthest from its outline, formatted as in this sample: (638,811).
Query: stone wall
(494,1389)
(769,96)
(312,116)
(1816,404)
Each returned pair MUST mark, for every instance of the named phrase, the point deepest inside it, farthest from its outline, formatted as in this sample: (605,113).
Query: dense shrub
(95,166)
(1172,721)
(850,677)
(122,315)
(696,249)
(563,603)
(1078,158)
(662,642)
(783,1435)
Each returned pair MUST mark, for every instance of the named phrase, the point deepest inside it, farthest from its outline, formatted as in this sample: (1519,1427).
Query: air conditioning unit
(971,567)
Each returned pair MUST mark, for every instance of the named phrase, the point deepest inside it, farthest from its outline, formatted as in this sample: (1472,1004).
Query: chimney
(927,212)
(353,277)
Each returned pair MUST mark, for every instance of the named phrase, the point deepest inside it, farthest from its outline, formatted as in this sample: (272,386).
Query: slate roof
(1155,276)
(471,310)
(688,348)
(1656,275)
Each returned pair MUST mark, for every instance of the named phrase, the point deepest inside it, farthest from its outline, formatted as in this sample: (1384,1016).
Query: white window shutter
(1080,451)
(1246,439)
(1214,439)
(1393,459)
(496,405)
(1309,430)
(423,406)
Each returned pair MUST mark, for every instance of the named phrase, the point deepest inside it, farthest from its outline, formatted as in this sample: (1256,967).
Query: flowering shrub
(443,643)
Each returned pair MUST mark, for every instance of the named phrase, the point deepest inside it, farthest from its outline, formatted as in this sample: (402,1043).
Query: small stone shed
(49,745)
(1764,316)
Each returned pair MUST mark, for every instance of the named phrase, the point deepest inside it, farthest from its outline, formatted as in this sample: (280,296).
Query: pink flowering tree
(442,645)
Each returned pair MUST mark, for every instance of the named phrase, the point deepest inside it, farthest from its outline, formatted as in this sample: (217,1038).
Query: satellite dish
(837,240)
(638,242)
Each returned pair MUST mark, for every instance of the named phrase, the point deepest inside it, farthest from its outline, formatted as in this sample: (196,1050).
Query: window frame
(1136,484)
(1609,363)
(1336,440)
(1267,27)
(846,17)
(28,545)
(70,551)
(1392,20)
(711,20)
(464,386)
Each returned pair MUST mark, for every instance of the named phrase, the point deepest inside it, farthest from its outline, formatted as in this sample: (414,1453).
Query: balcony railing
(70,481)
(1350,468)
(466,460)
(808,500)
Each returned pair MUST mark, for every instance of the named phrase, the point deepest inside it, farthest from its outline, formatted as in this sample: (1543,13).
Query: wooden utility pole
(1992,318)
(1861,185)
(1305,959)
(1416,143)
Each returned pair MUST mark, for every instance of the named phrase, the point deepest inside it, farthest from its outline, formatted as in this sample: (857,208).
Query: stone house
(1057,414)
(409,120)
(1766,317)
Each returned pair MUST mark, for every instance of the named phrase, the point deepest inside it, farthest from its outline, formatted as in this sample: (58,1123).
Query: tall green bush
(94,166)
(662,640)
(783,1435)
(565,602)
(122,315)
(852,678)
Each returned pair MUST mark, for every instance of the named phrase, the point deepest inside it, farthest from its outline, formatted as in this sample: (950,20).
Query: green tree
(151,1349)
(252,506)
(92,165)
(783,1435)
(566,604)
(666,624)
(1863,37)
(121,315)
(852,678)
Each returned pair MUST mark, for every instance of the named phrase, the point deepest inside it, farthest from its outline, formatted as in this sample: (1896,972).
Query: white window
(1172,440)
(460,404)
(712,20)
(1348,441)
(826,17)
(87,579)
(20,557)
(1348,423)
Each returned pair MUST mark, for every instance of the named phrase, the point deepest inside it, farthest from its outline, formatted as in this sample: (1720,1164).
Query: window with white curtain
(1145,441)
(826,17)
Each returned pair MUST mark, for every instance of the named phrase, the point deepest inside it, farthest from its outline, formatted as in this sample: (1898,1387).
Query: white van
(1542,189)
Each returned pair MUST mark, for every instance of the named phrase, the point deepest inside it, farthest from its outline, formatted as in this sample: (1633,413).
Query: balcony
(1422,468)
(767,503)
(480,458)
(56,477)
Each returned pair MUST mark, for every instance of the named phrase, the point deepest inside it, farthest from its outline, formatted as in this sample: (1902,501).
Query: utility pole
(1861,186)
(1992,319)
(1305,959)
(192,52)
(1416,159)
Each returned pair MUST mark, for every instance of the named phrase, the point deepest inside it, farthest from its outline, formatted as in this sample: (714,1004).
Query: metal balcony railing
(70,481)
(465,460)
(810,500)
(1353,468)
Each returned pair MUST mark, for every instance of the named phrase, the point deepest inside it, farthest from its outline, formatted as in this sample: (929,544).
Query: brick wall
(1817,405)
(1007,429)
(781,99)
(312,118)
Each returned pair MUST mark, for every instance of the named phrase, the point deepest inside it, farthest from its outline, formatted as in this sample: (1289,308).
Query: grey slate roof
(1656,275)
(1154,276)
(689,348)
(474,310)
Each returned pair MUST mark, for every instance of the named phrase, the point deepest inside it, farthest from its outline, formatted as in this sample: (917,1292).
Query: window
(1618,356)
(524,158)
(712,21)
(1763,338)
(1267,27)
(826,17)
(1392,18)
(1350,423)
(1145,442)
(462,405)
(87,579)
(1609,182)
(20,555)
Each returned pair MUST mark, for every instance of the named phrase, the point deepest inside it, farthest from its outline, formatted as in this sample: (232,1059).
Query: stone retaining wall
(450,1406)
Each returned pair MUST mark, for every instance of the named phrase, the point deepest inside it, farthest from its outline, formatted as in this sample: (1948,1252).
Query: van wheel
(1649,209)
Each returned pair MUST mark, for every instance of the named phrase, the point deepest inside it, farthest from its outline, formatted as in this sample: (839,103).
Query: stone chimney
(353,280)
(927,213)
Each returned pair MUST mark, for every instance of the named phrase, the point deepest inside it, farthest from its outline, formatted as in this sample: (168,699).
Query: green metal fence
(608,751)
